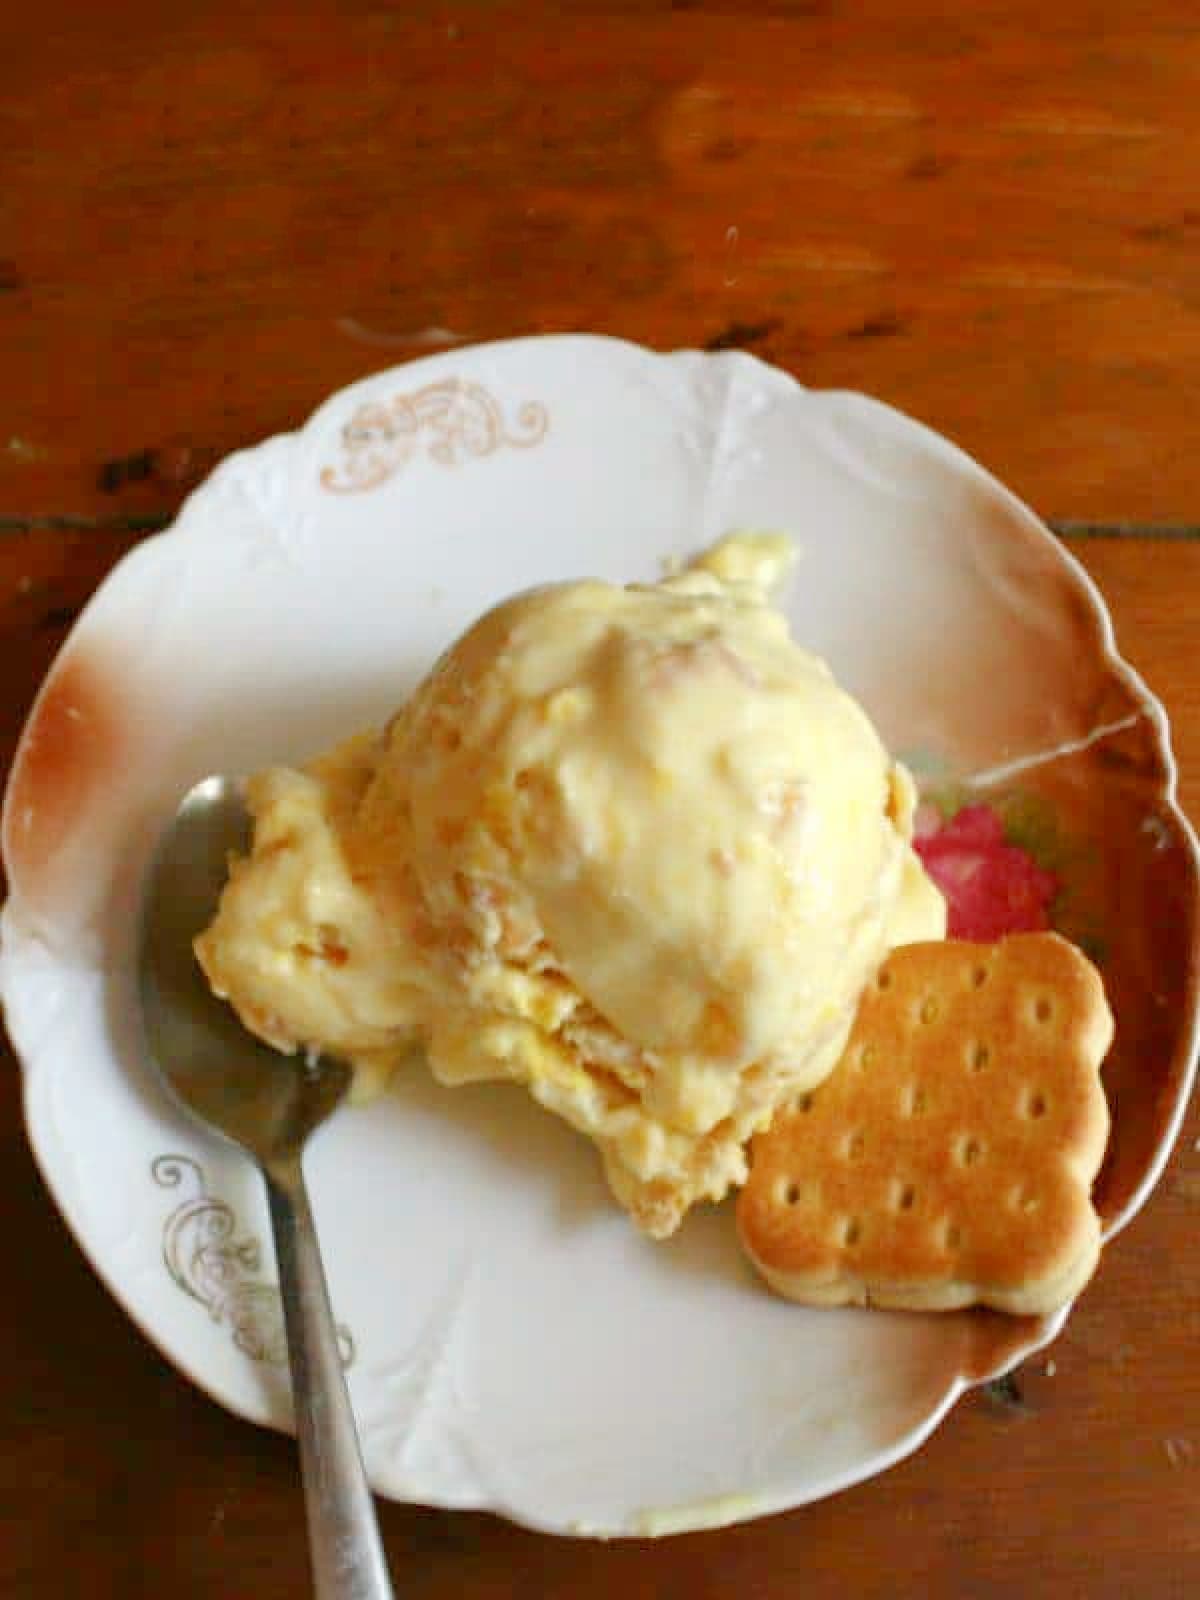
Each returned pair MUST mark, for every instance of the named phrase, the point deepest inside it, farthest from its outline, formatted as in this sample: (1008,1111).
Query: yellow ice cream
(631,847)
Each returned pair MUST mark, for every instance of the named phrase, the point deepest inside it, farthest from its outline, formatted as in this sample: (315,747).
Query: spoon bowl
(266,1102)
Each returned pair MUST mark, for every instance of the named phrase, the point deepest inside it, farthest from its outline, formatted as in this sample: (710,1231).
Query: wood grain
(211,216)
(214,216)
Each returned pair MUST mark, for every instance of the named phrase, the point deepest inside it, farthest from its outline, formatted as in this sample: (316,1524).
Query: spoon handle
(343,1534)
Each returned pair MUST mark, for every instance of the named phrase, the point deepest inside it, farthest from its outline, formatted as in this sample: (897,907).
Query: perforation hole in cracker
(914,1100)
(978,1055)
(968,1150)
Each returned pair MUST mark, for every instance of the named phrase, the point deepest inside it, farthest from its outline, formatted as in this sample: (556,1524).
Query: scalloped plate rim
(780,1498)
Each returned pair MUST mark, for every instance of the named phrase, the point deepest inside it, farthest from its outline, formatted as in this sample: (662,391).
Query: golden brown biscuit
(949,1157)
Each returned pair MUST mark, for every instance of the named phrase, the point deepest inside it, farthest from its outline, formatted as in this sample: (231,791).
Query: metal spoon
(268,1104)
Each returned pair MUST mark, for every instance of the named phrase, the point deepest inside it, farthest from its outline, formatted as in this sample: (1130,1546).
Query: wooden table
(213,215)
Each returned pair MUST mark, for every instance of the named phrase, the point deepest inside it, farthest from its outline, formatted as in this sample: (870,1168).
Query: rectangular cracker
(949,1157)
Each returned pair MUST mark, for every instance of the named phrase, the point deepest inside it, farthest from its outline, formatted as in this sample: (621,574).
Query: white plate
(515,1345)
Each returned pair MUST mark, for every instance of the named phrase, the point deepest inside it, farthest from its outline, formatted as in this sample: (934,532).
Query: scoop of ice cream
(633,847)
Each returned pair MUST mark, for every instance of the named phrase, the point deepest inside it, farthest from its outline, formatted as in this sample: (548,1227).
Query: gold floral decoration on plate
(211,1264)
(449,421)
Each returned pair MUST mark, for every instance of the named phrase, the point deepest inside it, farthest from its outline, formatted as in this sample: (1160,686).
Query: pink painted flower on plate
(992,887)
